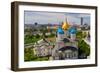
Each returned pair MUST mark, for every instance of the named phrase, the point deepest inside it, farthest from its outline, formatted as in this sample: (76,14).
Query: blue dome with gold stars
(60,30)
(72,30)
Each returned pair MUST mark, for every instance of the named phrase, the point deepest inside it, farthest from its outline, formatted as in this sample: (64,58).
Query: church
(66,44)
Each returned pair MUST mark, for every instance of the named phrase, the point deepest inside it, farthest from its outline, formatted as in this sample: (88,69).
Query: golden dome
(65,26)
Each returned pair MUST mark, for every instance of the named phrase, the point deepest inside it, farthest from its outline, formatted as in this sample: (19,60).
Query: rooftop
(72,30)
(60,30)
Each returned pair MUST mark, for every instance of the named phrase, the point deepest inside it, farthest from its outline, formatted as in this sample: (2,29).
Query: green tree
(84,48)
(37,36)
(79,34)
(29,54)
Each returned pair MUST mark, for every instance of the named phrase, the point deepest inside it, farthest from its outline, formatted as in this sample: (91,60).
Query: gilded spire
(65,25)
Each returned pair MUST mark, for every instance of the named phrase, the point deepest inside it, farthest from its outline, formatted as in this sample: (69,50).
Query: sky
(31,17)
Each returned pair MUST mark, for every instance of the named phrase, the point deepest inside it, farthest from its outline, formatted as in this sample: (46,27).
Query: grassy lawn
(41,59)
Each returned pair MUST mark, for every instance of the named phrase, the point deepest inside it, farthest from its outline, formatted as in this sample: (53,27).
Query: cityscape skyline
(41,17)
